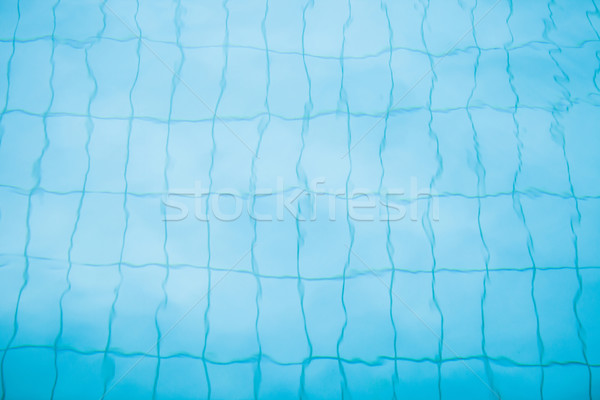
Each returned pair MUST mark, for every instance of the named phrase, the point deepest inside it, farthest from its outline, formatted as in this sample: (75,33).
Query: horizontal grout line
(500,361)
(509,109)
(530,193)
(385,51)
(354,273)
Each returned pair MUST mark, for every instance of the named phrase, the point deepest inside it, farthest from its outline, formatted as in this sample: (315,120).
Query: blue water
(299,200)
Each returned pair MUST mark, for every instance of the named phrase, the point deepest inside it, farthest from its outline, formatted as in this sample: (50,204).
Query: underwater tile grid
(281,199)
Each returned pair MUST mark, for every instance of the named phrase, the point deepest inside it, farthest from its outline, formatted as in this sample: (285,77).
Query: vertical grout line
(343,101)
(481,191)
(4,111)
(425,220)
(595,79)
(163,305)
(558,132)
(301,176)
(263,125)
(89,130)
(107,363)
(222,85)
(37,172)
(389,244)
(517,201)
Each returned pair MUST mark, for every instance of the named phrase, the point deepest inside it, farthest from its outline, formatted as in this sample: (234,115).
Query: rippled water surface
(280,199)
